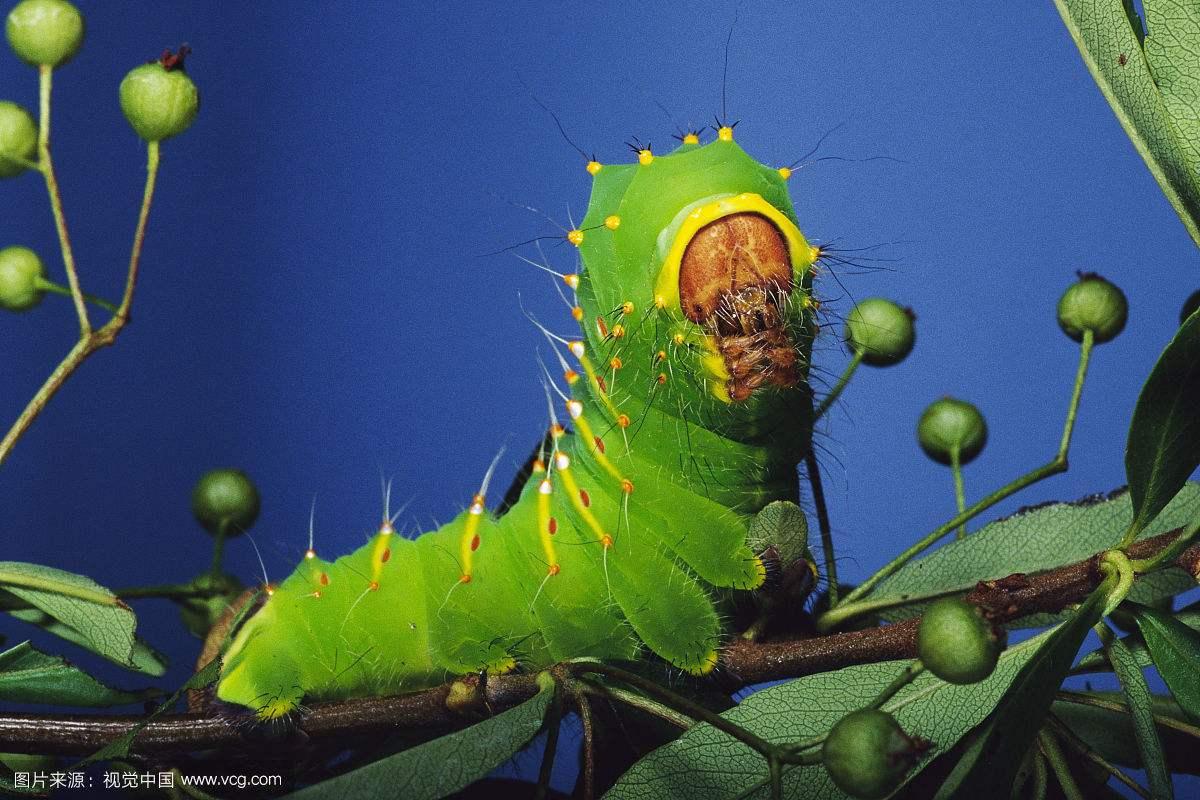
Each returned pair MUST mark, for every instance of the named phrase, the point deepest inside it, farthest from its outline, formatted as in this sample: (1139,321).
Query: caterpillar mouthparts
(734,277)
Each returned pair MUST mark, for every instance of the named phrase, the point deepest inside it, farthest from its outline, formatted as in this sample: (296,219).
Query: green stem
(848,609)
(89,341)
(55,288)
(906,677)
(587,789)
(139,234)
(219,546)
(1058,762)
(813,469)
(1169,553)
(553,727)
(672,700)
(959,494)
(45,75)
(1119,569)
(635,700)
(840,386)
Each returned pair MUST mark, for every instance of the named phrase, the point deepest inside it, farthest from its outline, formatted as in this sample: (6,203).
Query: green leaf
(1141,710)
(439,768)
(1164,436)
(1109,37)
(144,658)
(781,524)
(707,763)
(1171,54)
(31,676)
(1110,733)
(1031,541)
(990,763)
(104,624)
(1175,650)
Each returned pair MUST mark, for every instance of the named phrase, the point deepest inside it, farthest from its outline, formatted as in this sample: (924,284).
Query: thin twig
(743,663)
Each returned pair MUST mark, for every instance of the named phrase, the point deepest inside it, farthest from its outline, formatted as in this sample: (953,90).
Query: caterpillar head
(697,279)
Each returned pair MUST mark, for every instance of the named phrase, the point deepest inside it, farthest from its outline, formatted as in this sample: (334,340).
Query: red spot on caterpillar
(553,570)
(600,382)
(600,445)
(602,327)
(324,579)
(583,498)
(553,526)
(475,542)
(385,555)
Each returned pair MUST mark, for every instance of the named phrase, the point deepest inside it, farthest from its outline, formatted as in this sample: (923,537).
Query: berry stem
(907,676)
(89,340)
(139,235)
(46,166)
(553,725)
(848,609)
(57,288)
(813,469)
(838,387)
(959,494)
(634,700)
(219,547)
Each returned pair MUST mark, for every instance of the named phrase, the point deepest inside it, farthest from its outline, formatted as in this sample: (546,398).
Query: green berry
(159,99)
(956,643)
(1094,304)
(867,754)
(881,330)
(21,279)
(1189,307)
(948,424)
(225,498)
(45,32)
(18,137)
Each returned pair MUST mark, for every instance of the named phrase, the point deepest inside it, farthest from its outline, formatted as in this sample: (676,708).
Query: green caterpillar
(689,410)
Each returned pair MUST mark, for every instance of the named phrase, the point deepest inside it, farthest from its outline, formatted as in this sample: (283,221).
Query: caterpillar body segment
(689,408)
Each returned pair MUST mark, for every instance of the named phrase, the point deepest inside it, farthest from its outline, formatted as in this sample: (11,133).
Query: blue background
(318,306)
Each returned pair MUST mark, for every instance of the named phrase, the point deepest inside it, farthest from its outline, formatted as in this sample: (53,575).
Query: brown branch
(743,662)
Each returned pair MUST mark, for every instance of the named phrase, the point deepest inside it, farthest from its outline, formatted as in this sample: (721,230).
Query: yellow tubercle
(575,237)
(545,489)
(589,436)
(801,253)
(725,133)
(707,664)
(785,172)
(593,167)
(645,157)
(627,307)
(563,463)
(590,371)
(612,222)
(691,138)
